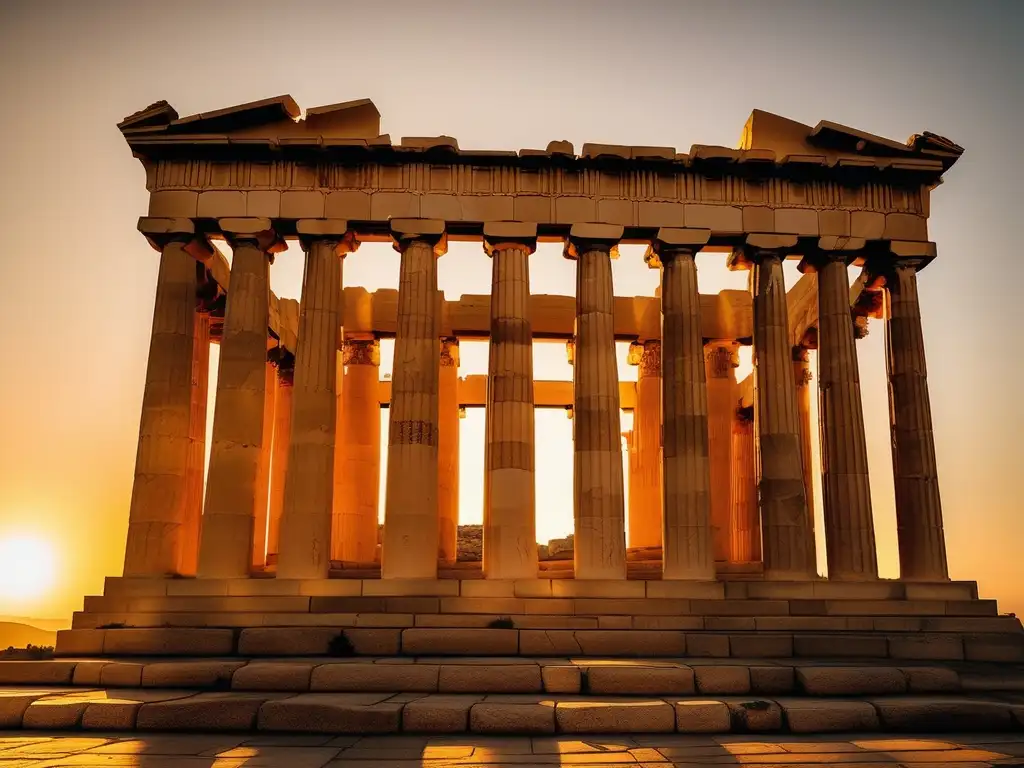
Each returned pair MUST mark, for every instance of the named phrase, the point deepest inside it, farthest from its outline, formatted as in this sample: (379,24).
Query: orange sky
(78,281)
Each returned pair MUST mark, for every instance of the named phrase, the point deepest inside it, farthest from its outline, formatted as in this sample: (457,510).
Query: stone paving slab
(192,750)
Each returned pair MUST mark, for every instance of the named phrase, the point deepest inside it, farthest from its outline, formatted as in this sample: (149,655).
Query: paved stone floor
(36,750)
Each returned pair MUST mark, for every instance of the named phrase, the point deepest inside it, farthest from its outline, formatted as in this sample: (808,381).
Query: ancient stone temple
(711,553)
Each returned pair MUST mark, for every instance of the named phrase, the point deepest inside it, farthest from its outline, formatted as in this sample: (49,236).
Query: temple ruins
(711,553)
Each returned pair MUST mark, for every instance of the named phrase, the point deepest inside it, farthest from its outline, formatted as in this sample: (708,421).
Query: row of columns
(421,498)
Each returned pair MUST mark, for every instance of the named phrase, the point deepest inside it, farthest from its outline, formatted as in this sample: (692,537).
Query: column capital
(586,237)
(430,231)
(361,352)
(745,414)
(671,242)
(499,235)
(721,357)
(832,248)
(449,352)
(901,254)
(334,231)
(252,230)
(647,355)
(159,232)
(757,247)
(860,326)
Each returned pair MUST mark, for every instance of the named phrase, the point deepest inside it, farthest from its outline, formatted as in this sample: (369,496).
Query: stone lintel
(160,231)
(602,235)
(334,230)
(758,243)
(508,234)
(832,248)
(671,240)
(251,228)
(431,231)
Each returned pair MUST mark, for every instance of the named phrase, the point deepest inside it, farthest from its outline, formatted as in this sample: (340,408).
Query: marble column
(162,493)
(802,377)
(510,538)
(846,491)
(787,542)
(357,475)
(599,496)
(922,544)
(687,549)
(744,517)
(309,485)
(448,452)
(196,468)
(632,483)
(260,516)
(226,538)
(645,506)
(410,515)
(720,362)
(279,458)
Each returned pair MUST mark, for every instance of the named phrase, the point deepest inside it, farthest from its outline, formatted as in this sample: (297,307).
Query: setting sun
(26,567)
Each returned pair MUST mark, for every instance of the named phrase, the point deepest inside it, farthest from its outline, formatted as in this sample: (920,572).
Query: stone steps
(1005,646)
(112,710)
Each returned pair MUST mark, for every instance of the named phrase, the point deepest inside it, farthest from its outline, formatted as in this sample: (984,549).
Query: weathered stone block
(614,622)
(754,715)
(460,642)
(411,587)
(695,716)
(840,646)
(669,622)
(489,588)
(438,714)
(286,641)
(931,679)
(488,605)
(927,714)
(867,224)
(925,646)
(770,680)
(722,679)
(561,679)
(761,646)
(265,203)
(825,716)
(87,673)
(394,205)
(121,675)
(532,208)
(348,204)
(171,641)
(189,674)
(484,208)
(571,209)
(797,221)
(56,712)
(905,226)
(615,717)
(119,709)
(614,211)
(758,218)
(834,223)
(705,645)
(684,590)
(79,642)
(219,204)
(1007,647)
(332,713)
(14,702)
(272,676)
(624,643)
(232,711)
(953,590)
(850,681)
(477,678)
(729,623)
(506,714)
(438,206)
(660,214)
(174,204)
(717,218)
(36,672)
(357,677)
(640,679)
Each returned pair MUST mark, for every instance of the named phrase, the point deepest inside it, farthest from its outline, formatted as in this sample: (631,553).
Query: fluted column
(226,538)
(196,468)
(279,458)
(922,544)
(720,361)
(787,542)
(510,538)
(645,506)
(260,517)
(744,517)
(410,515)
(448,452)
(687,549)
(357,466)
(309,486)
(599,496)
(846,491)
(802,377)
(162,493)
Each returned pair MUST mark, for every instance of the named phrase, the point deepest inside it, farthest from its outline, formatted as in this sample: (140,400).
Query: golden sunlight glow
(26,567)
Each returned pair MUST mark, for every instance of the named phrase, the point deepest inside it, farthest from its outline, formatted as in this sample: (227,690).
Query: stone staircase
(535,656)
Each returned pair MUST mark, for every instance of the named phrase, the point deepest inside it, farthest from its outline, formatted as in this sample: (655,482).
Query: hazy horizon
(79,280)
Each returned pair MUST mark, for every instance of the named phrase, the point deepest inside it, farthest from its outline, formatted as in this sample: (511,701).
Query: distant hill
(50,625)
(20,635)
